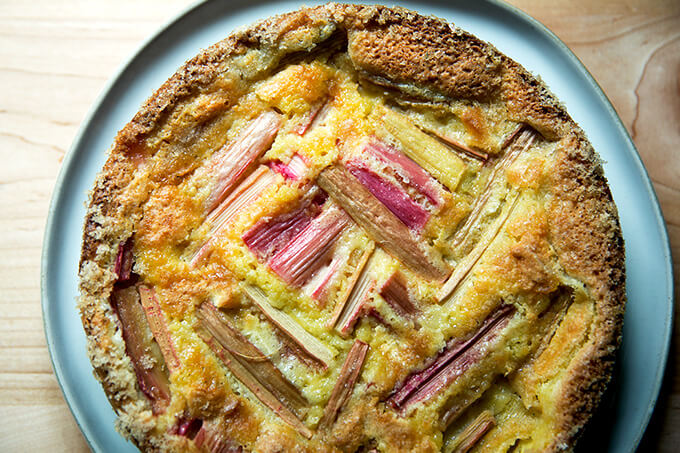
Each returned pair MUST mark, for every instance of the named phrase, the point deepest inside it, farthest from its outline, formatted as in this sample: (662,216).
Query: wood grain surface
(55,58)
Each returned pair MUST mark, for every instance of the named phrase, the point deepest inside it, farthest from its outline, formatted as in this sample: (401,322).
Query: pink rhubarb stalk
(268,236)
(412,173)
(318,287)
(307,252)
(294,170)
(159,327)
(246,193)
(424,149)
(380,223)
(323,279)
(229,164)
(187,427)
(453,361)
(143,352)
(395,198)
(124,261)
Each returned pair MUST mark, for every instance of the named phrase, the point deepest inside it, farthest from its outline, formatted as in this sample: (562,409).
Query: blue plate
(646,333)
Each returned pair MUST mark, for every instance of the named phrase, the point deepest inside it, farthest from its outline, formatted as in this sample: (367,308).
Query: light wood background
(55,58)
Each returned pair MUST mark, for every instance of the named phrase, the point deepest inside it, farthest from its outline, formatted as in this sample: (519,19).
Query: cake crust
(419,57)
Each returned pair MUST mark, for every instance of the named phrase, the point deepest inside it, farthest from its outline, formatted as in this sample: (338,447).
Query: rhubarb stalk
(144,353)
(472,433)
(395,292)
(380,223)
(232,161)
(124,261)
(313,117)
(249,365)
(306,253)
(246,193)
(213,440)
(268,236)
(395,198)
(344,386)
(347,313)
(458,146)
(426,151)
(464,267)
(294,170)
(187,427)
(521,143)
(544,328)
(262,391)
(159,327)
(410,172)
(511,136)
(317,288)
(351,282)
(456,358)
(305,340)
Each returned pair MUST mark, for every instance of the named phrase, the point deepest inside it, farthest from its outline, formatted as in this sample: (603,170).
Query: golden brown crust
(587,236)
(408,48)
(196,73)
(409,52)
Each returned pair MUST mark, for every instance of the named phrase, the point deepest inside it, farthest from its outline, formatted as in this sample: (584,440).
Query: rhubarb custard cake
(352,228)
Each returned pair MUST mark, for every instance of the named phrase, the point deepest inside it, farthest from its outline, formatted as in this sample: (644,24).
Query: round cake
(352,228)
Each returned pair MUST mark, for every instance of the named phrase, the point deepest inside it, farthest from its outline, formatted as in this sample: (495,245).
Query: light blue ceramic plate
(626,411)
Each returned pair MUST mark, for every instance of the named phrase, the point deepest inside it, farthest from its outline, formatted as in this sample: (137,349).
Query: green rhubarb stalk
(425,150)
(314,347)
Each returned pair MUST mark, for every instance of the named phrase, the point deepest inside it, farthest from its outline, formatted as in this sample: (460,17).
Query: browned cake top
(352,228)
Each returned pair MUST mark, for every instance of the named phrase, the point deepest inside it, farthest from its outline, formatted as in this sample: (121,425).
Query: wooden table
(56,57)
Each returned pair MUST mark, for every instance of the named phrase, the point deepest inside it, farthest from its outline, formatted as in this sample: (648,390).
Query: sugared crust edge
(586,233)
(578,176)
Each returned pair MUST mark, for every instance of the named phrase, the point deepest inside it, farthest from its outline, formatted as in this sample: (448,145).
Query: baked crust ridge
(449,63)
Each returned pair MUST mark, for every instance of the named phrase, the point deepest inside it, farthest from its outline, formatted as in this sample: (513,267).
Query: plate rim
(67,164)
